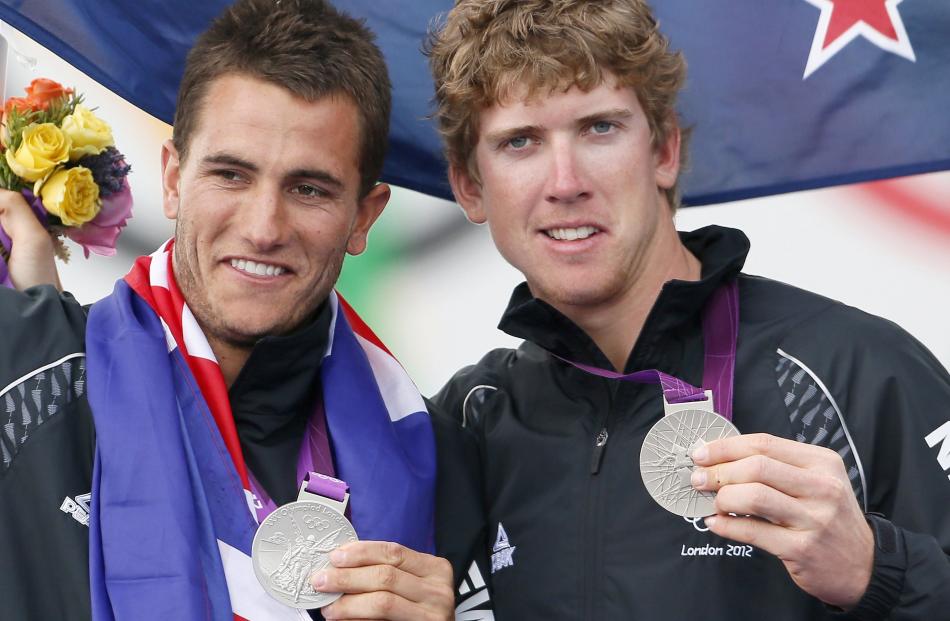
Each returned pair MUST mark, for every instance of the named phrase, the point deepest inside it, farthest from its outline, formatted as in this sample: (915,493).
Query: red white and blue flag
(782,95)
(170,525)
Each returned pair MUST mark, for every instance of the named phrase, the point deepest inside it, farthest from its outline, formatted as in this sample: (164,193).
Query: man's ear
(468,193)
(368,210)
(171,176)
(666,159)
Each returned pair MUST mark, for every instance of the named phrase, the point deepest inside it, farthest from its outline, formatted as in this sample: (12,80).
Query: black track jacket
(572,533)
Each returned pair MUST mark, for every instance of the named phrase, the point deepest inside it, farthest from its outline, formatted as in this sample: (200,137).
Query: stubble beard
(217,327)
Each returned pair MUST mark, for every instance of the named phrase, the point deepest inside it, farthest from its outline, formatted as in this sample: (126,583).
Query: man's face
(267,203)
(571,189)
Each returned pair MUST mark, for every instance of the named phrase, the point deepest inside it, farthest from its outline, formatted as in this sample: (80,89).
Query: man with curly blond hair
(561,133)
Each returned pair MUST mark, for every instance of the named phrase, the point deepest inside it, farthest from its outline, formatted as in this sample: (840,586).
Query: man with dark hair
(561,133)
(144,439)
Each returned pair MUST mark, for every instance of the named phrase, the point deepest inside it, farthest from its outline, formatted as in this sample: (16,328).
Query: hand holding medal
(307,555)
(797,497)
(806,512)
(383,580)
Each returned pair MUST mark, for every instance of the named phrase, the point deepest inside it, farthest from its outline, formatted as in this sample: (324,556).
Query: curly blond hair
(483,51)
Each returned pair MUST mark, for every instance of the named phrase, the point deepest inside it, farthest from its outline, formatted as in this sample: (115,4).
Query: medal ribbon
(720,332)
(328,487)
(314,466)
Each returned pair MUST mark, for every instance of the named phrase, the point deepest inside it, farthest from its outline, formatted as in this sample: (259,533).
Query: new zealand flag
(782,95)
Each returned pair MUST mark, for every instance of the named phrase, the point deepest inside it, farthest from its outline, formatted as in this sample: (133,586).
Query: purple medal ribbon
(314,465)
(328,487)
(720,331)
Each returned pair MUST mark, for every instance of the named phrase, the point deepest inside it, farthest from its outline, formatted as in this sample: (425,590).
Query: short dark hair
(305,46)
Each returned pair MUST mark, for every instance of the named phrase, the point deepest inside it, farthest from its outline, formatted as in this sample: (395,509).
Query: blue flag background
(759,126)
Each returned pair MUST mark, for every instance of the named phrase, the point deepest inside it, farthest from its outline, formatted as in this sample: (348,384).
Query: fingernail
(319,579)
(711,520)
(700,453)
(698,478)
(337,557)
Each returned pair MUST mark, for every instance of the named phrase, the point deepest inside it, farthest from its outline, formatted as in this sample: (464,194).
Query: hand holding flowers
(61,157)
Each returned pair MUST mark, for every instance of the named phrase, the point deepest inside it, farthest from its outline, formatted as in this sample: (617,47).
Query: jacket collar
(278,382)
(722,252)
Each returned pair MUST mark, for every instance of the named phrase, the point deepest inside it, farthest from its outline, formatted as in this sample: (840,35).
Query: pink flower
(100,234)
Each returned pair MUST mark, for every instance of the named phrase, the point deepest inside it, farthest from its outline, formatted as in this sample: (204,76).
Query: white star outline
(818,56)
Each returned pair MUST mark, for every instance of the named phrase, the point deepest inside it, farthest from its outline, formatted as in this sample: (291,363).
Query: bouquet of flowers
(62,158)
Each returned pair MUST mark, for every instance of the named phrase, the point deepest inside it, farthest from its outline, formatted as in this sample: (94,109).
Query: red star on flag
(842,21)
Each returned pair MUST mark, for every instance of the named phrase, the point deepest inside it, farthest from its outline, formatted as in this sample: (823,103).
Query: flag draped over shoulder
(172,518)
(781,96)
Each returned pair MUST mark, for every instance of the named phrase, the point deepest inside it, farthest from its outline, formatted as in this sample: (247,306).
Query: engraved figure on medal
(666,466)
(293,542)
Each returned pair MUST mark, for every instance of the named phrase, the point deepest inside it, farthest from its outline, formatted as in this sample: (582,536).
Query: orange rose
(21,104)
(42,90)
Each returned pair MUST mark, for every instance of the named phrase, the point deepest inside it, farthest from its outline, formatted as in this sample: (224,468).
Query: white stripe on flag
(248,598)
(169,337)
(158,269)
(401,396)
(195,342)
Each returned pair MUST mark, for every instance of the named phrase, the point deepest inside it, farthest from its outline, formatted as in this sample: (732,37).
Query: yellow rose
(42,148)
(90,135)
(72,195)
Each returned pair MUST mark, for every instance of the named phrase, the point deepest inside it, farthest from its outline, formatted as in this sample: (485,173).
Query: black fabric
(890,567)
(273,397)
(583,542)
(43,551)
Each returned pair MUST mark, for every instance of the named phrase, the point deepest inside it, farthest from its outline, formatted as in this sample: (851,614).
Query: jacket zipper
(600,445)
(592,533)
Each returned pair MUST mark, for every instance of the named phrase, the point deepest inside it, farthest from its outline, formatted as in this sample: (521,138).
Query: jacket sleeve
(46,457)
(37,326)
(461,533)
(895,397)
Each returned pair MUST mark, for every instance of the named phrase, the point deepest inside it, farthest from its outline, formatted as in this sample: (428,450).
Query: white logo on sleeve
(476,605)
(78,508)
(502,551)
(941,436)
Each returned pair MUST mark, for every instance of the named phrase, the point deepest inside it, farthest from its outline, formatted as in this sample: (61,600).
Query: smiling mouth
(571,234)
(256,268)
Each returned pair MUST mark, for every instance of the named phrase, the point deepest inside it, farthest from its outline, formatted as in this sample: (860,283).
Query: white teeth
(582,232)
(258,269)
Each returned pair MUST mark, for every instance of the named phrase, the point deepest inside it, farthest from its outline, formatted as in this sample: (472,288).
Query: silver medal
(666,466)
(292,543)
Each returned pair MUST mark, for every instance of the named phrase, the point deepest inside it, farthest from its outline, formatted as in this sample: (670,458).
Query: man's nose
(264,219)
(567,182)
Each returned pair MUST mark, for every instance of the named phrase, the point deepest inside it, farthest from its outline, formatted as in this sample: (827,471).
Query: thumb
(29,253)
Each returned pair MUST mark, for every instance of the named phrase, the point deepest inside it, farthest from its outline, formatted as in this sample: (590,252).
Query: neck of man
(616,324)
(231,358)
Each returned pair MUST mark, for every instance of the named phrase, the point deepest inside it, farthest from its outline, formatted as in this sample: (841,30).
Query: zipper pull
(600,445)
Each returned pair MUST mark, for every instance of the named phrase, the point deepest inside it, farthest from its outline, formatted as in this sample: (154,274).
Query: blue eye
(602,127)
(518,142)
